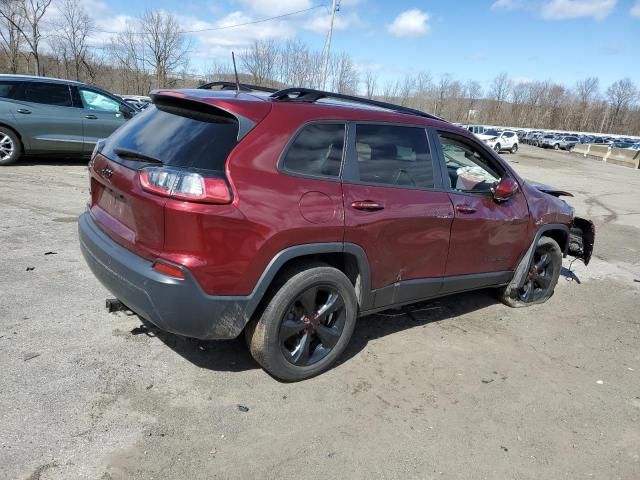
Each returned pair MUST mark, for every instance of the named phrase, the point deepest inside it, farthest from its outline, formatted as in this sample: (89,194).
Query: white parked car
(500,140)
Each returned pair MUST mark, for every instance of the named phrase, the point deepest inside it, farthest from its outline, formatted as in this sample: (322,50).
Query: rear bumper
(174,305)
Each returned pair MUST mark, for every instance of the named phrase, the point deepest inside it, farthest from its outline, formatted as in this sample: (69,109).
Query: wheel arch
(18,134)
(349,258)
(558,232)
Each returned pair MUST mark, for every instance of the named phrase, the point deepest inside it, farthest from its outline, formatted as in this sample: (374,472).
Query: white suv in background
(500,140)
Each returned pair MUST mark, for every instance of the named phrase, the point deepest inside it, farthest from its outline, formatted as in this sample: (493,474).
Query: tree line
(38,37)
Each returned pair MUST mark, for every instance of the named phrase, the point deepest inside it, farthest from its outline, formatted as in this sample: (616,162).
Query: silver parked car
(50,116)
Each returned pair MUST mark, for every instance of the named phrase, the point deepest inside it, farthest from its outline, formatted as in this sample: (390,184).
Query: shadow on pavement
(234,356)
(34,161)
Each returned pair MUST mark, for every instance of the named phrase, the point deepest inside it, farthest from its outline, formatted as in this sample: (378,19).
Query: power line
(214,29)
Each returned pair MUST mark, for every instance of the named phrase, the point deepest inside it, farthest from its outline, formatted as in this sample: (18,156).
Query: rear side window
(191,136)
(7,88)
(48,93)
(394,155)
(316,150)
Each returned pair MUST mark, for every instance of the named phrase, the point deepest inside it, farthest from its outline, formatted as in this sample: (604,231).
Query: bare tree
(31,12)
(166,43)
(370,83)
(442,91)
(586,90)
(11,24)
(473,92)
(344,74)
(126,51)
(499,93)
(621,95)
(72,31)
(260,60)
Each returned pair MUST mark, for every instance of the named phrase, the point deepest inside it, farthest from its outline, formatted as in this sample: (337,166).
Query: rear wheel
(514,149)
(541,278)
(10,148)
(306,325)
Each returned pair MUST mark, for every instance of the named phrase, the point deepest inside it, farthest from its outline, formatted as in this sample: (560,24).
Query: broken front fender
(582,235)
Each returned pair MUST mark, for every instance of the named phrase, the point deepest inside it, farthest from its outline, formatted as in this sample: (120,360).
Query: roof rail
(309,95)
(244,87)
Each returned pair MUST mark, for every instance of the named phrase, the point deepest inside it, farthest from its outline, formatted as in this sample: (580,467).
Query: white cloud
(562,9)
(221,42)
(271,8)
(635,10)
(320,23)
(506,5)
(410,23)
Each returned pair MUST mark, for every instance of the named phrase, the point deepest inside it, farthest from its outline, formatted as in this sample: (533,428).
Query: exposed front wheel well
(560,236)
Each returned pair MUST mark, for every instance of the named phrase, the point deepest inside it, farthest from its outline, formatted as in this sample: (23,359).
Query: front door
(486,236)
(101,116)
(47,117)
(396,210)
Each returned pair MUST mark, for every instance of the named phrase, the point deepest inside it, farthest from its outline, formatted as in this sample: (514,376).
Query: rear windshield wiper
(135,155)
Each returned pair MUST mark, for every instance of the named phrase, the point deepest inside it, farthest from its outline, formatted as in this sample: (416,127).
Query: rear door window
(55,94)
(316,150)
(394,155)
(193,136)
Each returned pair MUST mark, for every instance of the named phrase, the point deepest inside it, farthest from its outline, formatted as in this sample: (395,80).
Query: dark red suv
(289,216)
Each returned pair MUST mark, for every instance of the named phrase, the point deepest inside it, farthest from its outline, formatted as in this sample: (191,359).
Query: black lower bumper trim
(174,305)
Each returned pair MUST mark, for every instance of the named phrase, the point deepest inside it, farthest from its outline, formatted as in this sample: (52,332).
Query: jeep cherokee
(218,213)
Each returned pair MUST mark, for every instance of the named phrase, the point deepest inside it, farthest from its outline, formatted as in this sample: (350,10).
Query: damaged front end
(582,235)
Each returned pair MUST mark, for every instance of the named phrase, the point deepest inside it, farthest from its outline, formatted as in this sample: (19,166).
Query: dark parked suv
(214,213)
(50,116)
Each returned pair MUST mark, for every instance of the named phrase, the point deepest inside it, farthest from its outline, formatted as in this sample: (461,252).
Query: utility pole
(335,6)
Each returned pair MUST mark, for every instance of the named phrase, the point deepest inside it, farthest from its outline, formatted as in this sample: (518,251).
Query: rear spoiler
(248,111)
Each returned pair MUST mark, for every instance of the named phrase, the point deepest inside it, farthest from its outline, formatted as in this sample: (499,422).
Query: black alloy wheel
(312,325)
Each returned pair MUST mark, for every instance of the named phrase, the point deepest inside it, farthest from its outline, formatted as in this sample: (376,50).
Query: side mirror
(506,188)
(125,111)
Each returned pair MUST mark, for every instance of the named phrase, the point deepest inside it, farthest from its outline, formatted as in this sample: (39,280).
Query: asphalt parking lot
(459,388)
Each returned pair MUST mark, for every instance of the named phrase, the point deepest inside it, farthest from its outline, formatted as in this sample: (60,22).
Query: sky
(559,40)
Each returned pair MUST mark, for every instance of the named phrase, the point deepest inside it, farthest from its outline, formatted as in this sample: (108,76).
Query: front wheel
(497,148)
(541,278)
(514,149)
(306,325)
(556,146)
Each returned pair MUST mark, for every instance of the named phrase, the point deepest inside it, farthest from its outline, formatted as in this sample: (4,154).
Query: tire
(497,148)
(514,149)
(285,337)
(540,284)
(556,146)
(10,146)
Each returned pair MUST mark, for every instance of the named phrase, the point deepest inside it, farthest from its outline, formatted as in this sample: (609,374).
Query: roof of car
(348,111)
(33,78)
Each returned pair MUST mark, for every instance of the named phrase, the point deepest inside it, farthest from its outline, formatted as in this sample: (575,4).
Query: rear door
(48,118)
(396,210)
(486,236)
(101,116)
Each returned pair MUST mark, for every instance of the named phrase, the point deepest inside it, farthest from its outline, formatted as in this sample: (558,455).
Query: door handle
(367,205)
(24,111)
(465,208)
(91,117)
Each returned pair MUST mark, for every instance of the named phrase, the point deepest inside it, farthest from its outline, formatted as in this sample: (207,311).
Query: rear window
(197,136)
(316,150)
(7,88)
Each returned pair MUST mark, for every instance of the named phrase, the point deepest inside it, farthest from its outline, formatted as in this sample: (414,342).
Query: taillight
(168,269)
(184,185)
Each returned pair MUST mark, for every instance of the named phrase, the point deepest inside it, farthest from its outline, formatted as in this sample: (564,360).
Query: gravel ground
(463,387)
